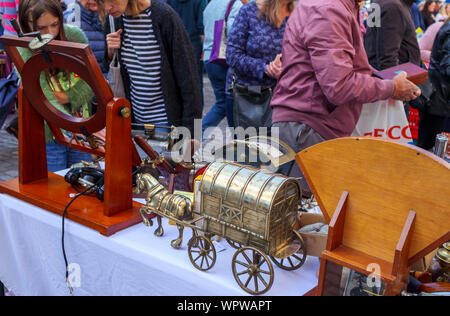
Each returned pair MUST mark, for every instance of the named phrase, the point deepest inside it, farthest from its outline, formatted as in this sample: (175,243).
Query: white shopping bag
(385,119)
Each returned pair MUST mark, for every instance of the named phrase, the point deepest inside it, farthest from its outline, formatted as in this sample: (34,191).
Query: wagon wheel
(294,261)
(249,263)
(234,244)
(202,253)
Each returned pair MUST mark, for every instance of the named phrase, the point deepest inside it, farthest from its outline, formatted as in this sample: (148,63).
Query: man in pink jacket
(326,76)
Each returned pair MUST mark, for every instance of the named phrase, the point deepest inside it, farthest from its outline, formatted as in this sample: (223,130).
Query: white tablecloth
(131,262)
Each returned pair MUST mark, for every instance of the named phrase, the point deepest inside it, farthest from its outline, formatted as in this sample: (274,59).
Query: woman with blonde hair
(254,53)
(444,13)
(157,62)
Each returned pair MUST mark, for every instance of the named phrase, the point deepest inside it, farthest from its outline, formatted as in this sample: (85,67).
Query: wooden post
(400,268)
(336,227)
(118,166)
(32,148)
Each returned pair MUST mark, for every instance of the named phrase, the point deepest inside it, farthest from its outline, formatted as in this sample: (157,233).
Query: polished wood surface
(32,149)
(435,287)
(118,160)
(54,194)
(46,190)
(387,204)
(384,180)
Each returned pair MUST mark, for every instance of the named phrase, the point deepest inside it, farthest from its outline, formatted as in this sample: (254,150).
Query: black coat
(440,72)
(394,42)
(179,77)
(435,98)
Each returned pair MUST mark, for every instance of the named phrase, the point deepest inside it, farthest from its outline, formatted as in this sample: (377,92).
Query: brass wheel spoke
(203,259)
(197,258)
(248,280)
(256,283)
(209,250)
(261,263)
(243,272)
(290,261)
(298,258)
(243,264)
(264,271)
(246,257)
(262,279)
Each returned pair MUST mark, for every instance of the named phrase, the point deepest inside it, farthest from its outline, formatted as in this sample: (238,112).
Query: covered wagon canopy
(249,206)
(243,186)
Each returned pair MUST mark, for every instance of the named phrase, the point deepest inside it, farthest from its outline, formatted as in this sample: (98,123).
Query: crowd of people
(305,67)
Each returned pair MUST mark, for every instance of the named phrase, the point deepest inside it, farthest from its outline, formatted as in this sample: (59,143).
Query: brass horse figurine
(160,201)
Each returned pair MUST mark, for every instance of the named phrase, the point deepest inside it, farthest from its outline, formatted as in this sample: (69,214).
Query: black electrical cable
(93,188)
(85,192)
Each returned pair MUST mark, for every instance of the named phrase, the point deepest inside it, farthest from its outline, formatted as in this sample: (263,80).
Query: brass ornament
(161,202)
(252,270)
(125,112)
(40,41)
(255,211)
(202,253)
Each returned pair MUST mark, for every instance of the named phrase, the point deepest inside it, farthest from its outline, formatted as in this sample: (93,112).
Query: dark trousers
(429,126)
(298,136)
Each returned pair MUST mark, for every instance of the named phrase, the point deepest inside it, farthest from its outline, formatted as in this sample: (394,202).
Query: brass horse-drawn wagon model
(253,210)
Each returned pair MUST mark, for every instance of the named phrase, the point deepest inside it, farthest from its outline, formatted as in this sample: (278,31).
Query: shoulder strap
(229,7)
(112,26)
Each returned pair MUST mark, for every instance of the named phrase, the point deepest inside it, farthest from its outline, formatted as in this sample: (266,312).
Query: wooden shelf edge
(90,216)
(359,262)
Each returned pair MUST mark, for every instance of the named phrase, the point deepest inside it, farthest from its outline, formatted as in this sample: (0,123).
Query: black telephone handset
(87,177)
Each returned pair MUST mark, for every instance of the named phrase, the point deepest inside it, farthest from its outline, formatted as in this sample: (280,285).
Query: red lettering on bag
(376,132)
(368,134)
(389,133)
(406,128)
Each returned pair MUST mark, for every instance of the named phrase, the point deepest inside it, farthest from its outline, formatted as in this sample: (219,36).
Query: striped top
(141,56)
(8,11)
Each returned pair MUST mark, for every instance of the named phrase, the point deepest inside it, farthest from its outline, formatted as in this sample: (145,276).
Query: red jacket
(326,76)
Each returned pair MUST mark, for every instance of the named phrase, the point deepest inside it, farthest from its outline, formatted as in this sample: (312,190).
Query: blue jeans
(61,157)
(223,107)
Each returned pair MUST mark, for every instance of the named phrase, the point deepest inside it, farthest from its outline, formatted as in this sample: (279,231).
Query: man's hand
(405,90)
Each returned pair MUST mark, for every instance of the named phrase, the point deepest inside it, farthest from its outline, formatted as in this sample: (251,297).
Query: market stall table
(131,262)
